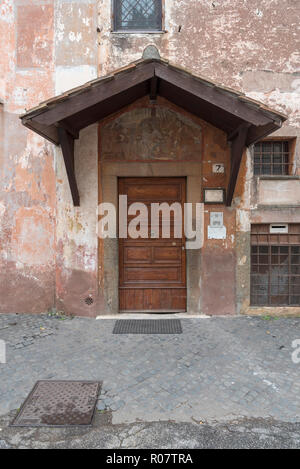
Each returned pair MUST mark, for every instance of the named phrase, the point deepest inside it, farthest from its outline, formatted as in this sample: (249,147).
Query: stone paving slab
(218,369)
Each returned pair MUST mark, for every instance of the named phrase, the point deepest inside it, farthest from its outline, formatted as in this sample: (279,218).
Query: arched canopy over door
(60,119)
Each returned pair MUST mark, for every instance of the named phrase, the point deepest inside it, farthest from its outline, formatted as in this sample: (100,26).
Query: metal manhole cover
(147,326)
(59,404)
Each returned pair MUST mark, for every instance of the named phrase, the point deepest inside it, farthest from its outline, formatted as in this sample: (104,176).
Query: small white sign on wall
(216,229)
(218,168)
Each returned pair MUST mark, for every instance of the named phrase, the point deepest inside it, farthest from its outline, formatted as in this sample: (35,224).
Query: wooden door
(152,272)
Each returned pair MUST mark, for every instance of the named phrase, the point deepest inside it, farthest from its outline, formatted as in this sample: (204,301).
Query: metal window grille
(272,158)
(137,15)
(275,267)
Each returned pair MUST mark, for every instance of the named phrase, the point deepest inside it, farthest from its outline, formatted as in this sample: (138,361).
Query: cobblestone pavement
(218,369)
(21,331)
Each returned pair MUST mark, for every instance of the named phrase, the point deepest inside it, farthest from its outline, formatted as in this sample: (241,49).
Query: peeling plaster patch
(248,179)
(266,80)
(70,77)
(246,46)
(279,192)
(2,209)
(75,36)
(243,207)
(37,85)
(33,237)
(4,255)
(243,260)
(20,96)
(35,146)
(6,11)
(222,22)
(243,220)
(86,21)
(75,33)
(34,35)
(296,85)
(292,64)
(285,102)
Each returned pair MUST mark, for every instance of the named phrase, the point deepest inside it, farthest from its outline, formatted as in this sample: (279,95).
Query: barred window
(272,158)
(275,266)
(137,15)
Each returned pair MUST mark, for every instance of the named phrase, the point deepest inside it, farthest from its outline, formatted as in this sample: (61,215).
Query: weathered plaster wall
(76,274)
(76,261)
(250,45)
(278,191)
(52,45)
(27,189)
(49,46)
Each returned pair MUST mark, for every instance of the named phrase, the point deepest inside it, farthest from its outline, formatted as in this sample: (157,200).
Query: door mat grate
(59,404)
(147,326)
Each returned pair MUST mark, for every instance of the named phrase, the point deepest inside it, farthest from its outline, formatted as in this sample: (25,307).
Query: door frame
(108,263)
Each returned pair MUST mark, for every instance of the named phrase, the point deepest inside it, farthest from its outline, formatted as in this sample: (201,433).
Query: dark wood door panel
(134,254)
(152,299)
(153,192)
(137,254)
(170,254)
(152,189)
(152,273)
(148,273)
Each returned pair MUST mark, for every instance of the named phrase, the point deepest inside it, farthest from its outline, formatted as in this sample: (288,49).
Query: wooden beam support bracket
(67,145)
(257,133)
(73,132)
(237,148)
(234,133)
(153,88)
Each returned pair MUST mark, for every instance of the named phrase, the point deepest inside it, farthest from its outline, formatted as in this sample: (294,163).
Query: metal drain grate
(59,404)
(147,326)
